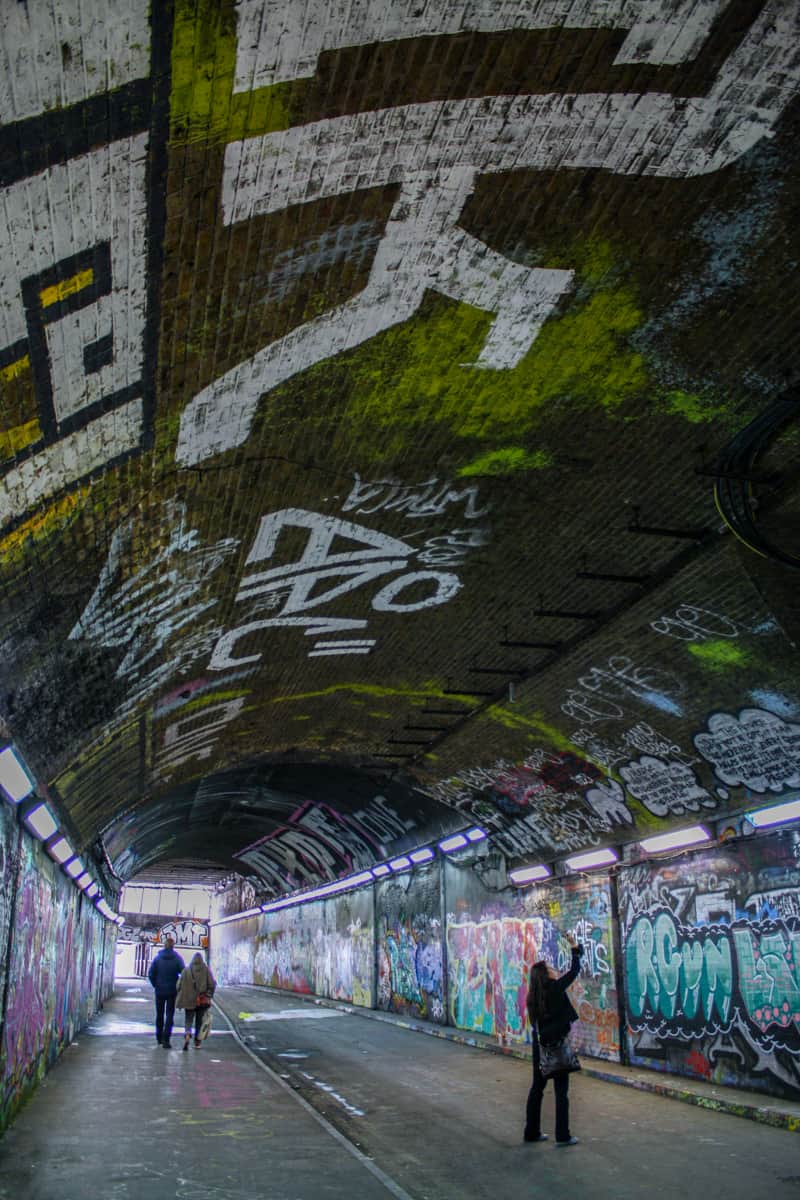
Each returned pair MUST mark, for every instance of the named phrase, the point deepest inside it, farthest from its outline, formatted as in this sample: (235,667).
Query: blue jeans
(165,1015)
(533,1111)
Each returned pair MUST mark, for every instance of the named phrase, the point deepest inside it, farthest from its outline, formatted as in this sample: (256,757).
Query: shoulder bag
(558,1058)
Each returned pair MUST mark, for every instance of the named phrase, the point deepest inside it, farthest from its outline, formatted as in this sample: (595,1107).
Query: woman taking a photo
(551,1014)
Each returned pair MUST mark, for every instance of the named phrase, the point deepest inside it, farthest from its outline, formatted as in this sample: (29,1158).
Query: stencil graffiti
(321,575)
(757,749)
(413,146)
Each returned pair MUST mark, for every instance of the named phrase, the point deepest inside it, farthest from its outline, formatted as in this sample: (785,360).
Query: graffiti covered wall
(57,966)
(322,949)
(495,934)
(711,953)
(409,945)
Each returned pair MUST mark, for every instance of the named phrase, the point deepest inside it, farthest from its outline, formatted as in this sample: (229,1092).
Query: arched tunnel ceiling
(397,424)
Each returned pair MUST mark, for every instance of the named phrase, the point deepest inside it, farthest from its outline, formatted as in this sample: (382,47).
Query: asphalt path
(443,1120)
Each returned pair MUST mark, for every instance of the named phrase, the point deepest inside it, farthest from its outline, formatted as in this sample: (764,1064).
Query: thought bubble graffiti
(757,749)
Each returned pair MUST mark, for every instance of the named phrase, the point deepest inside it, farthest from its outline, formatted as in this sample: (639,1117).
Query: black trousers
(533,1110)
(165,1015)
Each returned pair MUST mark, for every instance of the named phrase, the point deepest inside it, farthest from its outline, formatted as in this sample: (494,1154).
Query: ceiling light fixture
(402,863)
(15,779)
(521,875)
(92,891)
(60,849)
(457,842)
(74,867)
(775,814)
(421,856)
(381,870)
(595,858)
(40,821)
(476,834)
(692,836)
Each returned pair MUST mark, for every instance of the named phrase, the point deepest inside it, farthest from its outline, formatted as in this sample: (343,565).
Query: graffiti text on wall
(436,174)
(687,982)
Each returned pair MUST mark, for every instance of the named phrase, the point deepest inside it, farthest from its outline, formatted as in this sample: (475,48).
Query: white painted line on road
(291,1014)
(393,1188)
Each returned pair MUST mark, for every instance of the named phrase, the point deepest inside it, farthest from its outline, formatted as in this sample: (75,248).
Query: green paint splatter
(692,407)
(415,374)
(301,717)
(507,461)
(202,102)
(383,716)
(213,698)
(417,695)
(719,656)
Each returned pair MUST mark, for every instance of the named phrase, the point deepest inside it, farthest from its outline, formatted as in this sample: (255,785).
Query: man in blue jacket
(164,973)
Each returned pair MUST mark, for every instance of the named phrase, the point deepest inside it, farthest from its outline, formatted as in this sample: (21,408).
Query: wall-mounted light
(693,836)
(776,814)
(15,779)
(83,880)
(92,891)
(74,867)
(40,821)
(421,856)
(402,863)
(456,842)
(476,834)
(595,858)
(60,849)
(522,875)
(381,870)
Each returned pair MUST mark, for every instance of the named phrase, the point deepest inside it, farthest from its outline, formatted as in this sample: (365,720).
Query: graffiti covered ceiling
(397,422)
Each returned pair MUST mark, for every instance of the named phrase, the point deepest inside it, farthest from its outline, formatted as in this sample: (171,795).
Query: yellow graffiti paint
(67,287)
(203,104)
(15,369)
(719,655)
(16,439)
(40,526)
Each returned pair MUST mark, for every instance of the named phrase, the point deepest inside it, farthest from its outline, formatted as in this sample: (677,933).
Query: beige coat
(195,978)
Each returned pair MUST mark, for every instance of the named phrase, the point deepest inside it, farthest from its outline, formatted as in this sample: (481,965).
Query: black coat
(560,1011)
(164,973)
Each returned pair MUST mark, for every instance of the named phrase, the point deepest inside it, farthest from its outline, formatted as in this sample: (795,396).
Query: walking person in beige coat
(196,986)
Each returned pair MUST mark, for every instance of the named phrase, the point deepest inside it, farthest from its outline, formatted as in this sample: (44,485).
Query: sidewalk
(755,1106)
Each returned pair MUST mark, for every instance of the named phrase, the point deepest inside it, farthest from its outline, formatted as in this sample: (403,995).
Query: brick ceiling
(398,424)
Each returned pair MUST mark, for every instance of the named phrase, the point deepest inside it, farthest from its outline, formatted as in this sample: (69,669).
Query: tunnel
(528,474)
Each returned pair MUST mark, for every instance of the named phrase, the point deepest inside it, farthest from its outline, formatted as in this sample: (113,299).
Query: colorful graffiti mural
(711,953)
(409,945)
(57,973)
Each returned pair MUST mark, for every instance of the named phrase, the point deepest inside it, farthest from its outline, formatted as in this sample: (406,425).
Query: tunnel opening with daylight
(399,511)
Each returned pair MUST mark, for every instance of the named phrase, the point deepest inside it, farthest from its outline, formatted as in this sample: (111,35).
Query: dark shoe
(540,1137)
(197,1043)
(573,1141)
(167,1044)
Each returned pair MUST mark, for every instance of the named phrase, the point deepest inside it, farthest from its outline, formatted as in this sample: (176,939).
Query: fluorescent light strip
(15,780)
(60,850)
(240,916)
(522,875)
(476,835)
(92,891)
(422,856)
(776,814)
(41,822)
(381,870)
(672,841)
(595,858)
(74,868)
(403,863)
(456,842)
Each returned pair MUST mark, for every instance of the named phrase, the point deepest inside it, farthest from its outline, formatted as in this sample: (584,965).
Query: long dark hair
(537,992)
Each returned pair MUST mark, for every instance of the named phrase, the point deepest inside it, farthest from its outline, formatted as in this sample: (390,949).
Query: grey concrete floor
(349,1107)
